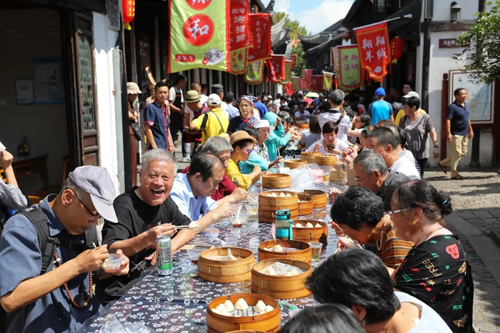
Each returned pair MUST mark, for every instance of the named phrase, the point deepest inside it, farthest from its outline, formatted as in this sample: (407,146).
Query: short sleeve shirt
(309,138)
(156,117)
(191,206)
(235,175)
(381,110)
(459,118)
(341,145)
(226,186)
(404,166)
(334,115)
(417,132)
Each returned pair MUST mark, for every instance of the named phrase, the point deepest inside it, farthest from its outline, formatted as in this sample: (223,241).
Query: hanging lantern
(396,49)
(128,11)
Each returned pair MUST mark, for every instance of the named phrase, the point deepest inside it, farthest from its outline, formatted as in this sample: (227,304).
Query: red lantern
(396,49)
(128,11)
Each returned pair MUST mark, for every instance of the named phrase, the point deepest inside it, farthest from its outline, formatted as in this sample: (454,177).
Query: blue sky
(315,15)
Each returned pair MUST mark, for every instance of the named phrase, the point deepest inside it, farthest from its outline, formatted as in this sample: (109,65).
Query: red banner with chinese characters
(293,57)
(277,68)
(260,28)
(373,46)
(317,83)
(303,84)
(289,88)
(239,29)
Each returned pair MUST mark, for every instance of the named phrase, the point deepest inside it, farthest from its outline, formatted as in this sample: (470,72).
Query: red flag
(289,88)
(308,73)
(303,84)
(239,29)
(294,60)
(373,46)
(317,83)
(277,68)
(260,25)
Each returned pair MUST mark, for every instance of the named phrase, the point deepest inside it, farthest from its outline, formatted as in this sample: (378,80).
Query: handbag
(137,129)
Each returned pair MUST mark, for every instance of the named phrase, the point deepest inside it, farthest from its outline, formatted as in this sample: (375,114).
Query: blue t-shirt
(157,119)
(459,118)
(381,110)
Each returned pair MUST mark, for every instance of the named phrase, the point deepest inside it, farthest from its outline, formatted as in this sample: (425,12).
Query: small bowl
(194,253)
(113,263)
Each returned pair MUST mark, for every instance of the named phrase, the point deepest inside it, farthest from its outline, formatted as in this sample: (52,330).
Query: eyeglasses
(392,212)
(93,216)
(249,151)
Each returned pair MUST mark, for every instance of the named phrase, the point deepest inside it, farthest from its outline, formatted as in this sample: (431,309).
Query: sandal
(445,169)
(458,177)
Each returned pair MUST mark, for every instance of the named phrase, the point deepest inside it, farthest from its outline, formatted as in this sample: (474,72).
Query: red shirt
(225,188)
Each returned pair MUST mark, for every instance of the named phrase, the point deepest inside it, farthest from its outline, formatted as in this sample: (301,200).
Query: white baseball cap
(213,100)
(263,123)
(411,94)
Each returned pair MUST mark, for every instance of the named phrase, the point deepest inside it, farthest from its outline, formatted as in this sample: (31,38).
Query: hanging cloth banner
(288,72)
(260,25)
(239,61)
(308,73)
(373,46)
(276,68)
(304,85)
(327,81)
(239,29)
(289,88)
(293,57)
(199,35)
(255,70)
(317,83)
(296,83)
(349,70)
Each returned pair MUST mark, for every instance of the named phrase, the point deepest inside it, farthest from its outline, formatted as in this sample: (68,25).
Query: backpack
(48,246)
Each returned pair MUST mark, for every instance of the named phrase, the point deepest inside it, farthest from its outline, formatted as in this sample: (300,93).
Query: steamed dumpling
(282,194)
(241,304)
(222,310)
(260,307)
(293,271)
(277,248)
(269,308)
(298,225)
(269,271)
(274,195)
(318,225)
(309,225)
(289,274)
(229,306)
(288,195)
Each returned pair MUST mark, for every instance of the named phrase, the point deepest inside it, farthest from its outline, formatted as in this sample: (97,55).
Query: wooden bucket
(310,234)
(325,159)
(270,217)
(267,322)
(306,206)
(282,287)
(309,156)
(319,197)
(226,271)
(294,164)
(276,180)
(303,254)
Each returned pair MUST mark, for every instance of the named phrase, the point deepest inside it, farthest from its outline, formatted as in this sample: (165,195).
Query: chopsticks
(95,247)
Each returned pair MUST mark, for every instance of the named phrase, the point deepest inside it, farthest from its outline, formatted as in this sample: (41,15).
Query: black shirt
(393,180)
(459,118)
(238,123)
(135,217)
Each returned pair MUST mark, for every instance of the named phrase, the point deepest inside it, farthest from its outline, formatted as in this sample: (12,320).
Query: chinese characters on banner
(293,57)
(239,30)
(289,88)
(308,78)
(373,46)
(348,67)
(288,72)
(260,25)
(304,85)
(276,68)
(198,35)
(255,69)
(239,61)
(327,80)
(317,83)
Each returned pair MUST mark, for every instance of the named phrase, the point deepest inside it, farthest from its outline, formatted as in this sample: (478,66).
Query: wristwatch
(436,146)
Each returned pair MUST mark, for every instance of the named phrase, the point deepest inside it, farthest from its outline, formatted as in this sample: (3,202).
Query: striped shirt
(393,250)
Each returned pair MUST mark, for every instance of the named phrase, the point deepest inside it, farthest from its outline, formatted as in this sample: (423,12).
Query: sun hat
(97,182)
(263,123)
(213,100)
(192,96)
(412,94)
(380,92)
(239,136)
(133,89)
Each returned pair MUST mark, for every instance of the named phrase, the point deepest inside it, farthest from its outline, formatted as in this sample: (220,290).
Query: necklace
(81,302)
(433,231)
(379,247)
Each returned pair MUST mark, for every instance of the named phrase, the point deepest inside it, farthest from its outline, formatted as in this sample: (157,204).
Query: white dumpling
(260,307)
(289,274)
(277,248)
(309,225)
(269,308)
(229,306)
(270,271)
(222,310)
(274,195)
(298,225)
(214,310)
(293,271)
(282,194)
(241,304)
(318,225)
(288,195)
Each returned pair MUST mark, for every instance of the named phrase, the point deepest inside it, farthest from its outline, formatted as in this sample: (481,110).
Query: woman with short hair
(242,144)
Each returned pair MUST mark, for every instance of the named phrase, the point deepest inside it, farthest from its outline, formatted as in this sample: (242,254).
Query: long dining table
(178,303)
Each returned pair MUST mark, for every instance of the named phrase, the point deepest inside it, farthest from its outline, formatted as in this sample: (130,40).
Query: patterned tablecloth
(177,303)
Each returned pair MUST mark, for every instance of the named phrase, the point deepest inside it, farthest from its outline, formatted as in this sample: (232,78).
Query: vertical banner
(304,85)
(239,29)
(289,88)
(293,57)
(296,83)
(335,59)
(199,35)
(254,73)
(239,61)
(317,83)
(349,71)
(327,81)
(373,46)
(260,25)
(288,72)
(276,68)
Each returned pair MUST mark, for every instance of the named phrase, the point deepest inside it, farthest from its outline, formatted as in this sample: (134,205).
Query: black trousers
(176,126)
(422,162)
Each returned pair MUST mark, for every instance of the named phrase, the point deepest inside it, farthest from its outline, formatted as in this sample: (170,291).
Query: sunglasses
(392,212)
(249,151)
(93,216)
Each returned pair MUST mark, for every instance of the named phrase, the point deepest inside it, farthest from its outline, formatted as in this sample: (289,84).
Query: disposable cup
(113,263)
(315,250)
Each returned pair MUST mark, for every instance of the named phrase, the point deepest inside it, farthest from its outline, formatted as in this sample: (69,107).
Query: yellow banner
(327,80)
(288,72)
(255,69)
(296,83)
(239,61)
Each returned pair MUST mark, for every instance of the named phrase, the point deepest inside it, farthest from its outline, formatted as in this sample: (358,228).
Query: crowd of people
(397,269)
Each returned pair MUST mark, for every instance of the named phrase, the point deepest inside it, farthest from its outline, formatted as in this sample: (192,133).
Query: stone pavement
(476,204)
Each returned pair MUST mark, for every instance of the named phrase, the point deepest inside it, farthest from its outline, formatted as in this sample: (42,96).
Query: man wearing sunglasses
(58,297)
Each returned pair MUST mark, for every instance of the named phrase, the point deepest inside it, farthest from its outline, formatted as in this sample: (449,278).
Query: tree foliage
(482,45)
(295,29)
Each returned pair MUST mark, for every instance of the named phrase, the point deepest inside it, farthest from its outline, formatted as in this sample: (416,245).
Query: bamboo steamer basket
(295,163)
(303,254)
(282,287)
(309,156)
(226,271)
(272,204)
(338,176)
(302,124)
(270,217)
(319,197)
(310,234)
(266,322)
(276,180)
(325,159)
(306,206)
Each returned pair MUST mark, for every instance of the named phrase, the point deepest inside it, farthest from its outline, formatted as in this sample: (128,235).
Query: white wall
(442,9)
(25,34)
(108,101)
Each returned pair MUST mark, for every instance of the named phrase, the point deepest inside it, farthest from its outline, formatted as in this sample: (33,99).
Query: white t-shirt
(407,168)
(302,116)
(223,106)
(341,145)
(344,125)
(172,93)
(429,321)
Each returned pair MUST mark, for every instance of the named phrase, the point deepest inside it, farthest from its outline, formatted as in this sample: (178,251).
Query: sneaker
(186,159)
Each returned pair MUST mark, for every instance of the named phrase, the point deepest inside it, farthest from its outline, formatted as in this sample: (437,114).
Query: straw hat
(133,89)
(192,96)
(239,136)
